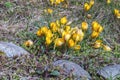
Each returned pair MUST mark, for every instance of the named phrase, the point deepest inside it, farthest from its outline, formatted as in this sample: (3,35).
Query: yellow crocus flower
(52,2)
(80,32)
(117,13)
(39,33)
(94,34)
(44,29)
(61,0)
(59,42)
(58,23)
(60,30)
(87,7)
(84,26)
(81,38)
(97,44)
(48,41)
(98,41)
(108,1)
(28,43)
(73,30)
(63,20)
(49,34)
(94,23)
(57,2)
(71,43)
(67,28)
(76,37)
(53,26)
(95,26)
(100,29)
(50,11)
(55,29)
(92,2)
(67,37)
(64,33)
(106,48)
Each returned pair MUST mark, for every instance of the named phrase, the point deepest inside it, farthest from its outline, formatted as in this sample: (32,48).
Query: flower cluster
(96,29)
(56,2)
(60,33)
(99,44)
(87,6)
(117,13)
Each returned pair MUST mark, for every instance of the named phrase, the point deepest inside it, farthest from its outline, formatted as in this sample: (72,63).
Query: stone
(110,72)
(78,72)
(11,50)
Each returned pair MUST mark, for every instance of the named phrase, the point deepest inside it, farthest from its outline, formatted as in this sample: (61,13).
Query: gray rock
(10,49)
(78,72)
(110,72)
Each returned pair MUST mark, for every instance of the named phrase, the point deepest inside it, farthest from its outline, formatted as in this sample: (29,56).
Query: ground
(20,20)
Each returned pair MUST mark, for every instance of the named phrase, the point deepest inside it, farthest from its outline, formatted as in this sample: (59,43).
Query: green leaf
(39,72)
(55,73)
(8,4)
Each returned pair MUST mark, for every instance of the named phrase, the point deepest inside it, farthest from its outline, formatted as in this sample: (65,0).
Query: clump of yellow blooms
(96,29)
(60,34)
(56,2)
(98,44)
(117,13)
(87,6)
